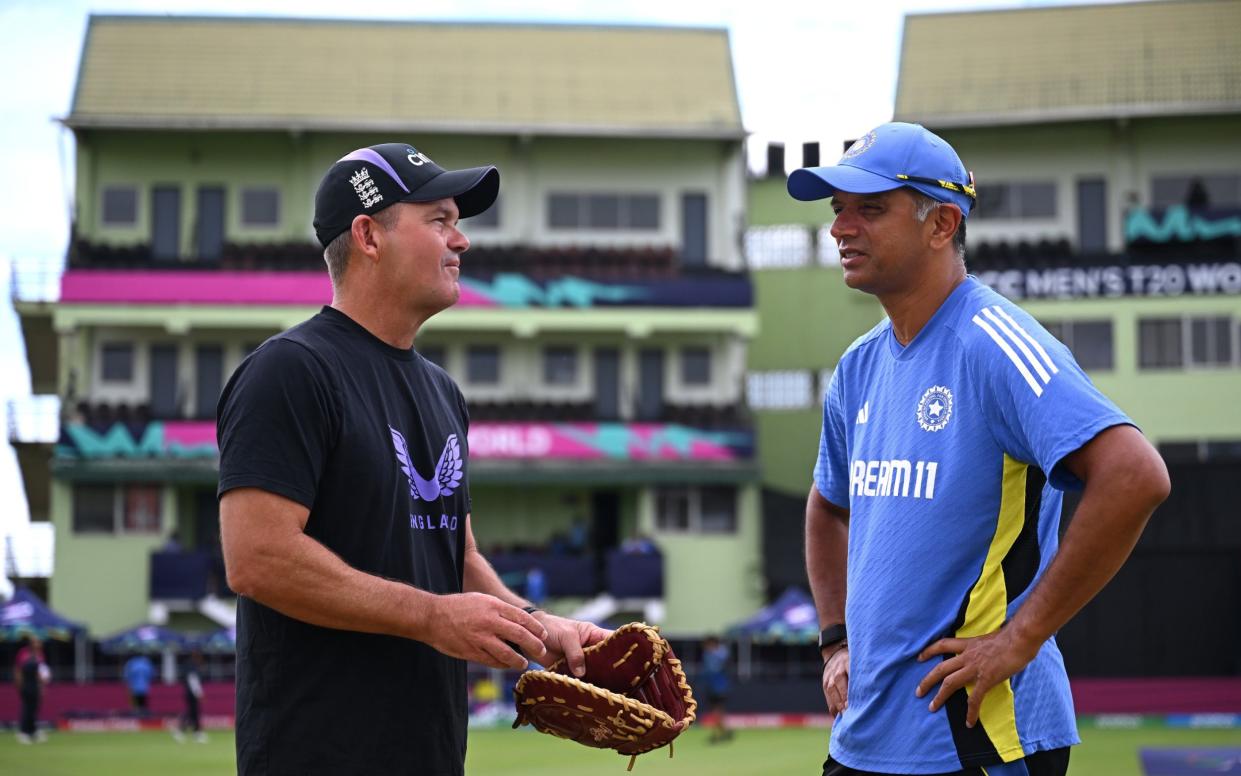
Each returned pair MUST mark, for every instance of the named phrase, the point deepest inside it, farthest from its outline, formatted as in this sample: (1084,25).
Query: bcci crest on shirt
(935,408)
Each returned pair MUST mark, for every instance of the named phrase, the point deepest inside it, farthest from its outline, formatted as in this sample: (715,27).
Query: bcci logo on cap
(935,408)
(859,146)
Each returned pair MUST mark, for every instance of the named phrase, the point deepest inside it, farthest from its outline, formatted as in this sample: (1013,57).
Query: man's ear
(367,236)
(944,223)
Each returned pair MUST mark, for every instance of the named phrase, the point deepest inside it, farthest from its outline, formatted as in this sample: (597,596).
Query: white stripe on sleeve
(1029,339)
(1007,332)
(1012,355)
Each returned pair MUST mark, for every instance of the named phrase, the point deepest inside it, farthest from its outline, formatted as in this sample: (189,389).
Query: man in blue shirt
(949,432)
(139,671)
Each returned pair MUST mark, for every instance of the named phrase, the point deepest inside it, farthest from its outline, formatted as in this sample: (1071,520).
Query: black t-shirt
(372,439)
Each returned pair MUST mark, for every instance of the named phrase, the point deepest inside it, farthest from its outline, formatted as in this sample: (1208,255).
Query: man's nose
(843,226)
(457,241)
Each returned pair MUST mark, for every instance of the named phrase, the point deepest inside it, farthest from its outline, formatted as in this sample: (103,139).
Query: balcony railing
(653,262)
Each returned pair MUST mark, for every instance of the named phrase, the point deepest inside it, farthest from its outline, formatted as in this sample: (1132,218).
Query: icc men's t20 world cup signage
(1175,234)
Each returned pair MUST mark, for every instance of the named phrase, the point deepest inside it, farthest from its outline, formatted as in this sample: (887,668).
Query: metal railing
(34,278)
(34,419)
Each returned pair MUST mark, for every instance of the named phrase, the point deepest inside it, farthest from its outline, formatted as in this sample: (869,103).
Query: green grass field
(525,753)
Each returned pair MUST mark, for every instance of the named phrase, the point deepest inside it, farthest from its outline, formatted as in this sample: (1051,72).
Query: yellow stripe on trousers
(988,606)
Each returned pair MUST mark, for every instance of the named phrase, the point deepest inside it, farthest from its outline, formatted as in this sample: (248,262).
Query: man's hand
(836,681)
(982,661)
(483,629)
(565,638)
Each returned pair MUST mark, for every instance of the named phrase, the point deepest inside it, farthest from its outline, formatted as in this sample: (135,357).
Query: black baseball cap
(370,179)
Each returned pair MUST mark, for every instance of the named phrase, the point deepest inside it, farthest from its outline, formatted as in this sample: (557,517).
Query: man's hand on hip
(981,661)
(836,681)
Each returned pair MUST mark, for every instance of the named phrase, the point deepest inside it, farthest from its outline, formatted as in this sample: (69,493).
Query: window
(784,390)
(1017,200)
(559,365)
(672,509)
(120,206)
(718,510)
(1177,343)
(1090,341)
(94,509)
(482,364)
(1210,341)
(562,211)
(709,509)
(143,506)
(260,207)
(1206,191)
(435,354)
(603,211)
(1159,343)
(118,362)
(695,366)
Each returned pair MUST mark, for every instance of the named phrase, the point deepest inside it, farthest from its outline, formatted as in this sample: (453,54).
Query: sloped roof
(222,72)
(1071,62)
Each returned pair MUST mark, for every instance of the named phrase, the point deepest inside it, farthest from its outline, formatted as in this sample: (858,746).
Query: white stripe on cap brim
(811,183)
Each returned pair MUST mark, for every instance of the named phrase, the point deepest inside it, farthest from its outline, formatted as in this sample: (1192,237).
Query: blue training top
(939,451)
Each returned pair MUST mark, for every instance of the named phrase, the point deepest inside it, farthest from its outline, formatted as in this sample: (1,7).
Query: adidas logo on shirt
(1007,334)
(863,414)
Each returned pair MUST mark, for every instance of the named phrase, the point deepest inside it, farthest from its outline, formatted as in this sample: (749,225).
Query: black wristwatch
(832,635)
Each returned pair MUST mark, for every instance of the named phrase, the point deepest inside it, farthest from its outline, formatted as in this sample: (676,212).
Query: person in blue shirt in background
(139,671)
(714,680)
(950,431)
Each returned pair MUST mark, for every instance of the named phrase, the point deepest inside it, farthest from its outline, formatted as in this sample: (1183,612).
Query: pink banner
(599,441)
(88,286)
(189,433)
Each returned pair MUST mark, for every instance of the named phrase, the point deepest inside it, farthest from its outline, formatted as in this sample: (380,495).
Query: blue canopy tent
(223,641)
(26,614)
(145,638)
(790,619)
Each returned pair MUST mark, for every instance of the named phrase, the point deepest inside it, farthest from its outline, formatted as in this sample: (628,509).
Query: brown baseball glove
(633,697)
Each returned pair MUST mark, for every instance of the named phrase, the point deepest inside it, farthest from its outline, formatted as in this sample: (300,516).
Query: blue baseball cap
(890,156)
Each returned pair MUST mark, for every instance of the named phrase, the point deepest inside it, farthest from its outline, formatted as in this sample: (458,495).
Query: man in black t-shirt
(344,500)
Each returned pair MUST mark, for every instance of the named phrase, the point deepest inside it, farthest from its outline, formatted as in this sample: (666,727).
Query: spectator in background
(30,673)
(714,681)
(139,671)
(192,682)
(171,544)
(536,586)
(579,537)
(640,545)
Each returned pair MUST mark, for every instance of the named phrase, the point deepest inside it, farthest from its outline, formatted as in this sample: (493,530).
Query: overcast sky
(783,51)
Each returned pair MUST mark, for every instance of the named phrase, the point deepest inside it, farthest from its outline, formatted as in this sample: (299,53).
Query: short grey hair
(336,255)
(923,205)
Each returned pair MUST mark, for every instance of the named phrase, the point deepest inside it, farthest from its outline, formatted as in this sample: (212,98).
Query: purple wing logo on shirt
(444,480)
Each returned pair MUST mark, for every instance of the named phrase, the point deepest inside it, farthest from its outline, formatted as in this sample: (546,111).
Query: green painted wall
(102,580)
(807,318)
(710,581)
(504,515)
(770,205)
(1169,405)
(293,163)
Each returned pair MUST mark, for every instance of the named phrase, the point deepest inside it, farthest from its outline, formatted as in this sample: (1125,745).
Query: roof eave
(1085,113)
(304,124)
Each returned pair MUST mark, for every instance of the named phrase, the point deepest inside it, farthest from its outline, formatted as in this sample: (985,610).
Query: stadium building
(1103,140)
(600,339)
